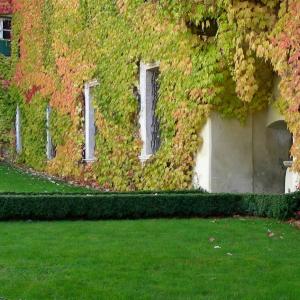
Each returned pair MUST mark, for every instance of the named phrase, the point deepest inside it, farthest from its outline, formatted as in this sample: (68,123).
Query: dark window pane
(5,47)
(7,24)
(155,141)
(6,35)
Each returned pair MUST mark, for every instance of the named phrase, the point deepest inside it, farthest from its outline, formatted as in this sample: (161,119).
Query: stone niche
(244,158)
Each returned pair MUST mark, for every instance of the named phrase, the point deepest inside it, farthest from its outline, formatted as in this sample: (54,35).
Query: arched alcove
(244,158)
(271,148)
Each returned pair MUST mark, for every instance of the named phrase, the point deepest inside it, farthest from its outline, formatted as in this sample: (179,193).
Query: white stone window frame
(89,122)
(2,30)
(49,145)
(146,111)
(18,131)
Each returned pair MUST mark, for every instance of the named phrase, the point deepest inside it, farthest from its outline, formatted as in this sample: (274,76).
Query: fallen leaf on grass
(270,233)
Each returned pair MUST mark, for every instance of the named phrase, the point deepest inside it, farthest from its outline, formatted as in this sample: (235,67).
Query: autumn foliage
(6,7)
(60,45)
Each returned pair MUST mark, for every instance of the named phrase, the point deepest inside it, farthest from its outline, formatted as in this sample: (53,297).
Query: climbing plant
(215,55)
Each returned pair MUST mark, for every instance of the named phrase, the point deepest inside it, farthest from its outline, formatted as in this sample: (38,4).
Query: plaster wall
(202,172)
(292,180)
(243,158)
(271,145)
(224,162)
(231,164)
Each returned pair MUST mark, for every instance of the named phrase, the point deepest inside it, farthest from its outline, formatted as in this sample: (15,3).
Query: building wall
(246,157)
(59,46)
(231,155)
(202,172)
(224,163)
(243,158)
(79,41)
(271,145)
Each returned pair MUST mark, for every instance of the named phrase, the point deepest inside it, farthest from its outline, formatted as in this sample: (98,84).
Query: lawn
(152,259)
(16,180)
(236,258)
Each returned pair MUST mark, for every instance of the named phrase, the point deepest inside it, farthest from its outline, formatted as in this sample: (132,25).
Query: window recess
(50,151)
(149,123)
(5,35)
(89,121)
(18,131)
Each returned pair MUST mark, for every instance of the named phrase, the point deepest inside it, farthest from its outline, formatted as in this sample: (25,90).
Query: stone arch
(245,158)
(271,150)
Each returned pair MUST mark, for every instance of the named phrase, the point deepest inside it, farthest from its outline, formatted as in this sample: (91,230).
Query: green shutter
(5,47)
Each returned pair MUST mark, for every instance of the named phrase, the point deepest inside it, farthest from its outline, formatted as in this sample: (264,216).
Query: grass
(152,259)
(15,180)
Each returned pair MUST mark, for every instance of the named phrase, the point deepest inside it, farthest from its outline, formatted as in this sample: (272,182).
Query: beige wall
(231,166)
(224,162)
(202,171)
(271,147)
(241,158)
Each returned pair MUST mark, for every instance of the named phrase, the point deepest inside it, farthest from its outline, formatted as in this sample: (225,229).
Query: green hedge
(278,206)
(99,192)
(138,206)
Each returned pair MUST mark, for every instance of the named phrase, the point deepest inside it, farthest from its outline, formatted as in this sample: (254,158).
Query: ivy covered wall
(5,7)
(216,55)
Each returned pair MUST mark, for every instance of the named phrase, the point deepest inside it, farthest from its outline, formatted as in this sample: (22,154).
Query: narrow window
(149,123)
(49,146)
(18,131)
(90,128)
(5,36)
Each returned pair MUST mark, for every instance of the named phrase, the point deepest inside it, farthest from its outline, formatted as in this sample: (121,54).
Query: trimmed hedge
(271,206)
(148,205)
(99,192)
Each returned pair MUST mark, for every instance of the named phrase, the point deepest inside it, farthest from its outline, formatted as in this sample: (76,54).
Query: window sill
(89,161)
(144,158)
